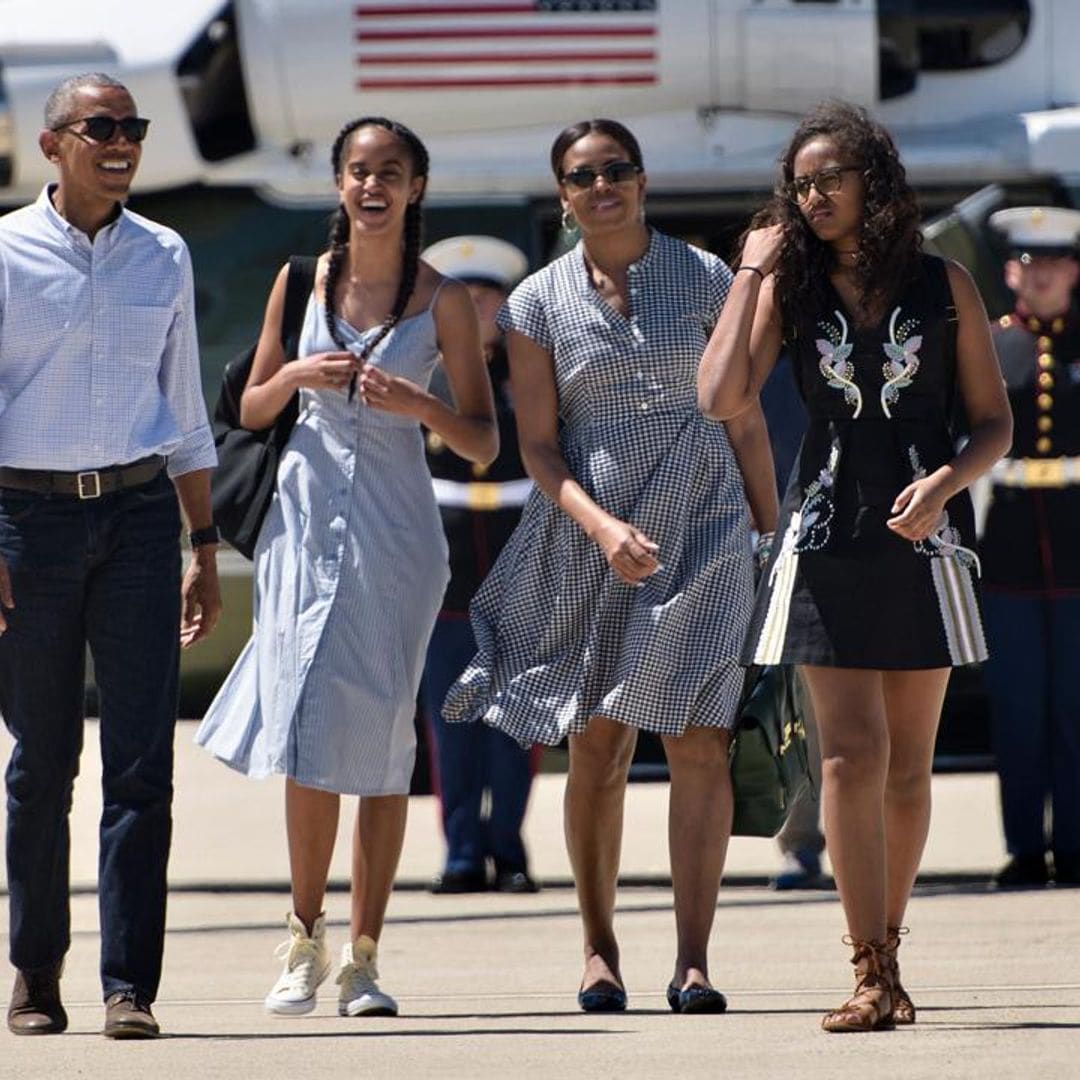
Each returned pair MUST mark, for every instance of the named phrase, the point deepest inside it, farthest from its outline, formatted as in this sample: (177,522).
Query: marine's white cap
(478,258)
(1039,230)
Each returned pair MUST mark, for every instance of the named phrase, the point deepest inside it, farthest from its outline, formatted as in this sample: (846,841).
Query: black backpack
(242,486)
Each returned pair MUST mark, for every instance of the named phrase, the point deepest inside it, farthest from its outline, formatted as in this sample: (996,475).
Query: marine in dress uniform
(1030,553)
(482,775)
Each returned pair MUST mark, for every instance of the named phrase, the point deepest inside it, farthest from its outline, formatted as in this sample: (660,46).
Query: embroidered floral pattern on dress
(808,529)
(944,541)
(834,365)
(902,350)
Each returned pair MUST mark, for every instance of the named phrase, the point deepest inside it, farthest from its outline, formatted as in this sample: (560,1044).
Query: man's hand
(200,596)
(7,598)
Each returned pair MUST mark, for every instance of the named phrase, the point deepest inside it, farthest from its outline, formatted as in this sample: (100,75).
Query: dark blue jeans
(105,572)
(1034,692)
(473,758)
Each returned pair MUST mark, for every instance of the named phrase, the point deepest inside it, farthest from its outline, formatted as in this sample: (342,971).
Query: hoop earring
(569,225)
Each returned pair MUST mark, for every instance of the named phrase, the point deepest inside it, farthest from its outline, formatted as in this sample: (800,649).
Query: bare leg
(311,818)
(593,818)
(699,827)
(913,701)
(377,840)
(849,705)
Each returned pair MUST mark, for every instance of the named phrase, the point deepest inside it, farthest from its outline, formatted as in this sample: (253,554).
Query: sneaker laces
(357,978)
(300,955)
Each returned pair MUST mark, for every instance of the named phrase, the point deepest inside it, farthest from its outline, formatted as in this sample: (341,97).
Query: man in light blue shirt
(103,439)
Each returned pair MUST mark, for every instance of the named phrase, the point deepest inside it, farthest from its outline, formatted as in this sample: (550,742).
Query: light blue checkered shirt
(99,362)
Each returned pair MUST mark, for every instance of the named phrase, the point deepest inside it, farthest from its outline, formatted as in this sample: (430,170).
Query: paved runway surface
(486,983)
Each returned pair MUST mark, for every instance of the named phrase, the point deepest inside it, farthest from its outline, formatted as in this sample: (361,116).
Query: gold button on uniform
(1057,325)
(1046,361)
(1034,325)
(1045,401)
(1045,344)
(1044,423)
(436,444)
(479,470)
(1046,380)
(1043,445)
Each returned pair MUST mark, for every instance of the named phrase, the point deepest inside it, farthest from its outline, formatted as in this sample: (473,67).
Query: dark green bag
(769,762)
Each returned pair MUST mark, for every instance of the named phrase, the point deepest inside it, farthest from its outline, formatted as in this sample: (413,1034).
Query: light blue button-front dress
(350,571)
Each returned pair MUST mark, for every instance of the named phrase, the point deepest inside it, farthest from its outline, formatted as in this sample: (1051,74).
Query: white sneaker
(307,963)
(360,994)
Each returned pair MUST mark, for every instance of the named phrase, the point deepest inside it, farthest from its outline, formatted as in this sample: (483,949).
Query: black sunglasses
(102,128)
(827,181)
(614,172)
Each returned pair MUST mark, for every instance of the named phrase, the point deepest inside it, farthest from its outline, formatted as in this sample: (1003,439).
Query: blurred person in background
(481,775)
(1031,553)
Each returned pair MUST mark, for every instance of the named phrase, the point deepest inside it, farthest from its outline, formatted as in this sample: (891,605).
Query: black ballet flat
(602,997)
(695,999)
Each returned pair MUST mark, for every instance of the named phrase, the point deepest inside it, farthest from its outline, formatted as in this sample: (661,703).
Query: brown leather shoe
(35,1007)
(127,1016)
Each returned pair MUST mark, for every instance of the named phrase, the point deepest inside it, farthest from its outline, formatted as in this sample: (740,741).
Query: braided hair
(889,237)
(413,233)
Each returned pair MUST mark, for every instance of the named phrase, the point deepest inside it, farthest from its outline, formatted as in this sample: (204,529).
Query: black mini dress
(841,589)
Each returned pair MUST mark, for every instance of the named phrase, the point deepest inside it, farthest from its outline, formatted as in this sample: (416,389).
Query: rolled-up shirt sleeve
(181,383)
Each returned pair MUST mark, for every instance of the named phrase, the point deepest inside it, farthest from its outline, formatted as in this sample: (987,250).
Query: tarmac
(486,983)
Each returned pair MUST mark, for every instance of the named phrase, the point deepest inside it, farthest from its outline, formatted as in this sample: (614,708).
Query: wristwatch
(208,535)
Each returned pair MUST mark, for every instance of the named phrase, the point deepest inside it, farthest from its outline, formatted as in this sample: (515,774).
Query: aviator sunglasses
(102,128)
(614,172)
(827,181)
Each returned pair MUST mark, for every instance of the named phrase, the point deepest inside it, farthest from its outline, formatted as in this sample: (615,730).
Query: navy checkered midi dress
(561,637)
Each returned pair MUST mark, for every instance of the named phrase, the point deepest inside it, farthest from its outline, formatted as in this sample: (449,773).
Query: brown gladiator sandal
(870,1008)
(903,1008)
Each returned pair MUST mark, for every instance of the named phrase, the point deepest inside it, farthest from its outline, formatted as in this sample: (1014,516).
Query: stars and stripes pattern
(425,45)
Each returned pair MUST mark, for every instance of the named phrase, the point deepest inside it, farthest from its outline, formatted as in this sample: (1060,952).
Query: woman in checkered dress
(621,600)
(871,588)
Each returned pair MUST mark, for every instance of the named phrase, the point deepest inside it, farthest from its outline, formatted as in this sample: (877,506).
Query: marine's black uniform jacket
(1031,543)
(477,532)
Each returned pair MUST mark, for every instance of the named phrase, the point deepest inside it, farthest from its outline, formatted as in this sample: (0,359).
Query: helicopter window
(212,85)
(946,35)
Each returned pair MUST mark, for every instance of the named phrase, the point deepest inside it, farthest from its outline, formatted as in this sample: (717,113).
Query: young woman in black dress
(871,585)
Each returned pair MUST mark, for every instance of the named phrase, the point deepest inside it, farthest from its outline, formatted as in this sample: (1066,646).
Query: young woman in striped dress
(351,563)
(871,586)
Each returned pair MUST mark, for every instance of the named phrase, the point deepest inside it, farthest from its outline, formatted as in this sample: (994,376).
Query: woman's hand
(629,552)
(918,509)
(322,371)
(391,393)
(762,248)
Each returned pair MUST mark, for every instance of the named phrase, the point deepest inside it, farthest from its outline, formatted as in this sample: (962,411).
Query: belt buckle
(88,485)
(483,496)
(1049,472)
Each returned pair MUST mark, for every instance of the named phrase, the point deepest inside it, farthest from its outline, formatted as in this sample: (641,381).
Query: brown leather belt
(91,484)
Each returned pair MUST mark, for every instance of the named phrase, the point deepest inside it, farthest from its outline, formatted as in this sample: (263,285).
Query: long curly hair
(889,237)
(412,241)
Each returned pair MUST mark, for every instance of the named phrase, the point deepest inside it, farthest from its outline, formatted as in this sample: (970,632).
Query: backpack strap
(298,286)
